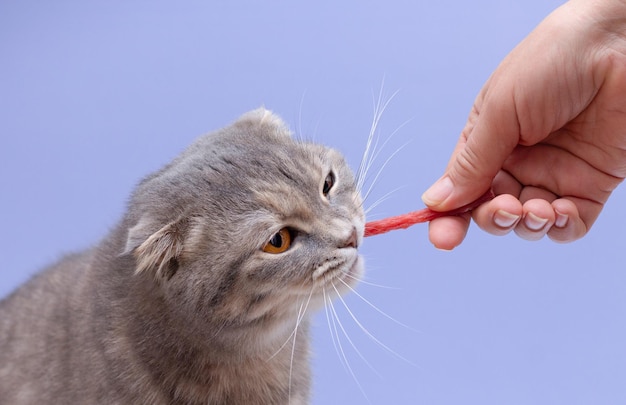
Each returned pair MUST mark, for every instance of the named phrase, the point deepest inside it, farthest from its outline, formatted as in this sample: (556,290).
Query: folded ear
(156,251)
(264,117)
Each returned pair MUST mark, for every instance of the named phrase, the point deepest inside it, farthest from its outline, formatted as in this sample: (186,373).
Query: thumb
(489,137)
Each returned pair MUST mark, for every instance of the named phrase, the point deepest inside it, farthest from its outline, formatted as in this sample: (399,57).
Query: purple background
(95,95)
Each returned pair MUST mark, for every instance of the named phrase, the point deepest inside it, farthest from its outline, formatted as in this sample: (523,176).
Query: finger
(568,226)
(499,216)
(504,183)
(537,219)
(446,233)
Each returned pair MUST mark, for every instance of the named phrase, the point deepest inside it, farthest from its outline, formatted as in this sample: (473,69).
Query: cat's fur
(179,304)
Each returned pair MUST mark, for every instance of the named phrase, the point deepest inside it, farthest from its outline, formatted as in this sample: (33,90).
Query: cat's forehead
(285,174)
(260,146)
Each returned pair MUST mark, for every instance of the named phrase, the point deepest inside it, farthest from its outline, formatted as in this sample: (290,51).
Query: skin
(547,132)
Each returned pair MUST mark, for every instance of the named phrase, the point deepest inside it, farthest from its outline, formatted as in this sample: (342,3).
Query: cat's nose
(352,241)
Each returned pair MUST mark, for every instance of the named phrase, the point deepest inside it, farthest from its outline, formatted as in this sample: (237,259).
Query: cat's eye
(329,182)
(279,242)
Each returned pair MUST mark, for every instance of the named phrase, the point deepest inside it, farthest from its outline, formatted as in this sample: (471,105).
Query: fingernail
(533,222)
(438,192)
(561,220)
(505,219)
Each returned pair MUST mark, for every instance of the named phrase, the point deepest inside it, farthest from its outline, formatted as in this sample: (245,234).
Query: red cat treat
(424,215)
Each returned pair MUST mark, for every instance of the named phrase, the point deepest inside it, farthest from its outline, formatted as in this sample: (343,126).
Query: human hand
(547,132)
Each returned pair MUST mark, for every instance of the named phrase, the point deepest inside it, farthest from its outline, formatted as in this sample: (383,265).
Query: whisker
(362,281)
(362,170)
(368,333)
(382,199)
(377,153)
(335,320)
(380,170)
(369,154)
(345,333)
(373,150)
(340,352)
(301,314)
(333,336)
(315,134)
(299,318)
(380,311)
(390,137)
(300,133)
(367,159)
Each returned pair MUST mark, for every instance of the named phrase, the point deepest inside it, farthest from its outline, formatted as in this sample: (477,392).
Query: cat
(202,293)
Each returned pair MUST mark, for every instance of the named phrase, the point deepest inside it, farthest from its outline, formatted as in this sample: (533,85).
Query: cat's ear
(158,251)
(266,117)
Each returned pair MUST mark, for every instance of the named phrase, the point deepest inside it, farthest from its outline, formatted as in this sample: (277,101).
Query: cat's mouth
(340,271)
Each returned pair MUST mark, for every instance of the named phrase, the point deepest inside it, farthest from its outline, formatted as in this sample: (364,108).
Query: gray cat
(202,293)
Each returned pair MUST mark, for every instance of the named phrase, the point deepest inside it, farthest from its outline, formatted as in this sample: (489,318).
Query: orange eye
(279,243)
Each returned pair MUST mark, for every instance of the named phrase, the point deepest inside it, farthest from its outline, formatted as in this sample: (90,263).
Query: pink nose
(352,241)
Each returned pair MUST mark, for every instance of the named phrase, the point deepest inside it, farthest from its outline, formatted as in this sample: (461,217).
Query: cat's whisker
(333,333)
(377,152)
(370,153)
(361,280)
(301,312)
(345,333)
(299,132)
(335,321)
(315,133)
(367,159)
(370,335)
(381,200)
(380,170)
(380,311)
(372,149)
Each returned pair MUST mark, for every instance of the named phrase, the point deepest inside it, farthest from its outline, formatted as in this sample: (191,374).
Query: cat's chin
(353,275)
(343,280)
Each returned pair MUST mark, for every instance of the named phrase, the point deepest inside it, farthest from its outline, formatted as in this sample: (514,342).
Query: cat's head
(248,223)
